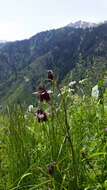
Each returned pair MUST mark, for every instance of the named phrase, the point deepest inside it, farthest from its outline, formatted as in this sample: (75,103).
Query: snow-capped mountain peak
(84,24)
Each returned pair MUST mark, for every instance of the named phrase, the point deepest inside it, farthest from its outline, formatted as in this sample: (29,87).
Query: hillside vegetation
(23,64)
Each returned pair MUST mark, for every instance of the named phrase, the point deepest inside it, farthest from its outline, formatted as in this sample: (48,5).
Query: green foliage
(24,63)
(72,143)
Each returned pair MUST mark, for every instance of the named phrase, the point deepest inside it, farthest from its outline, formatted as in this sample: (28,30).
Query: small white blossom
(26,79)
(72,83)
(95,92)
(30,108)
(82,81)
(70,90)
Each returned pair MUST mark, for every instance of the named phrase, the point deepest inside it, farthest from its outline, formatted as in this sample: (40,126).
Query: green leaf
(97,154)
(100,83)
(23,176)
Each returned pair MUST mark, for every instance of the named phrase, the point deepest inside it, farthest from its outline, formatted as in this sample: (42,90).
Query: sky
(21,19)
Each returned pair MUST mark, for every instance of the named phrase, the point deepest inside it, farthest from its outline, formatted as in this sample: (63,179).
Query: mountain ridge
(85,24)
(24,63)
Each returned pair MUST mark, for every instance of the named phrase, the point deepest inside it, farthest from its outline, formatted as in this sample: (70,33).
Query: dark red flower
(50,75)
(44,94)
(51,170)
(41,115)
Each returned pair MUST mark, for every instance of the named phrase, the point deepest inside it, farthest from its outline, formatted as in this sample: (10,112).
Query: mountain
(23,64)
(3,43)
(84,24)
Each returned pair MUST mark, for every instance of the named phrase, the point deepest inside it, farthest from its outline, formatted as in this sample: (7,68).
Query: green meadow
(65,151)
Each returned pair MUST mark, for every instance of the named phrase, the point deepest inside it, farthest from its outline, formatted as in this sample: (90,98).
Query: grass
(67,152)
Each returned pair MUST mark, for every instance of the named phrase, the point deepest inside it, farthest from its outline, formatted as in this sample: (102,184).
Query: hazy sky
(20,19)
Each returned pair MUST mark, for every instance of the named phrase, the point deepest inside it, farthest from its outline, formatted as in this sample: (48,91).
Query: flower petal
(49,91)
(40,116)
(36,92)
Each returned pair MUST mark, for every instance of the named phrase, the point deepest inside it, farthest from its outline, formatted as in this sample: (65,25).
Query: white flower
(30,108)
(26,79)
(72,83)
(70,90)
(95,92)
(82,81)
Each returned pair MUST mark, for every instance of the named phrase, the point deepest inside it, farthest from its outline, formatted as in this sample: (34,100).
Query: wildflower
(44,94)
(41,115)
(95,92)
(83,81)
(72,83)
(105,128)
(30,108)
(50,75)
(70,90)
